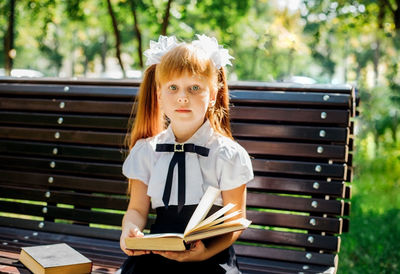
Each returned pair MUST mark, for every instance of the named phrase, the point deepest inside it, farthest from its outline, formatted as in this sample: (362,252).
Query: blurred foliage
(355,42)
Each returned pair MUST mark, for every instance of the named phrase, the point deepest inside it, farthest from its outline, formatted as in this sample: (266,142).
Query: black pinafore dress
(169,220)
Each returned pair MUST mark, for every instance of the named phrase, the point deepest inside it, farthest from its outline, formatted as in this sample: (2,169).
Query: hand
(197,252)
(131,231)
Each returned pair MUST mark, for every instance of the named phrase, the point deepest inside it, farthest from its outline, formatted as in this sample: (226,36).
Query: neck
(183,133)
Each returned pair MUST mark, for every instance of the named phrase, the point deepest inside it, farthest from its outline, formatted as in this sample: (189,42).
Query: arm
(200,252)
(235,196)
(135,217)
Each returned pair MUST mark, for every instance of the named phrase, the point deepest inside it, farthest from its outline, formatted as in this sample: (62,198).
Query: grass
(373,243)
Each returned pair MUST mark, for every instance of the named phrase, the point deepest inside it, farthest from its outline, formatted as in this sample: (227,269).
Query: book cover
(198,227)
(55,258)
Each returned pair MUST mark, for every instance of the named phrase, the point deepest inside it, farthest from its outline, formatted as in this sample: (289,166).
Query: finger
(135,232)
(128,252)
(140,252)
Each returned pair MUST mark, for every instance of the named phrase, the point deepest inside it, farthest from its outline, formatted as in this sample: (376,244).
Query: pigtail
(219,114)
(147,122)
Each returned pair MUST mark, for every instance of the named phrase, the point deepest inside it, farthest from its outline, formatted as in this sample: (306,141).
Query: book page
(221,229)
(202,208)
(216,215)
(163,235)
(209,225)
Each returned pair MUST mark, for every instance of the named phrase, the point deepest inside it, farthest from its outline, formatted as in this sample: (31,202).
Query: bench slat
(332,207)
(331,225)
(72,214)
(291,132)
(289,98)
(109,92)
(43,119)
(286,255)
(300,168)
(71,167)
(66,197)
(292,185)
(66,105)
(330,243)
(61,150)
(57,181)
(292,115)
(61,135)
(331,152)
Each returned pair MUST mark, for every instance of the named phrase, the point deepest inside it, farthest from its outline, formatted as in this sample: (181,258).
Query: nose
(183,100)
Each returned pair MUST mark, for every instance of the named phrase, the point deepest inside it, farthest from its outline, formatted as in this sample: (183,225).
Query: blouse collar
(200,137)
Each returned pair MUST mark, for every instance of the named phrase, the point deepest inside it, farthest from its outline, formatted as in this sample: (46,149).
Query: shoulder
(150,143)
(228,149)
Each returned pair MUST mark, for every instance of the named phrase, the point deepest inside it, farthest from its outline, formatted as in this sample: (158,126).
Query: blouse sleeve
(137,164)
(234,167)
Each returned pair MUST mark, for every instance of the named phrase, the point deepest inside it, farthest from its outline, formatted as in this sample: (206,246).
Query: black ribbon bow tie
(178,158)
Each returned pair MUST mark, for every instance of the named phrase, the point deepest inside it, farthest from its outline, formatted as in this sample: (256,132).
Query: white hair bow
(158,49)
(218,55)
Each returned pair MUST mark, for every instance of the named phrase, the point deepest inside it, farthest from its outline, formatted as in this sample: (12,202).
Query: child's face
(185,99)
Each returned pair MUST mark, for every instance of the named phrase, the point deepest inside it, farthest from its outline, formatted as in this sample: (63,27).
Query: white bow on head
(158,49)
(218,55)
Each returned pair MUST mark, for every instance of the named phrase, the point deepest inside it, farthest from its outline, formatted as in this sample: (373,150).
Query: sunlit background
(302,41)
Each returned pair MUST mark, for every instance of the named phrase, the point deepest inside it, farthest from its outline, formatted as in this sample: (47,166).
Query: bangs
(184,59)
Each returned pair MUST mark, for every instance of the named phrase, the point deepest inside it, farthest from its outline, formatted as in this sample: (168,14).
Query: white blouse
(227,166)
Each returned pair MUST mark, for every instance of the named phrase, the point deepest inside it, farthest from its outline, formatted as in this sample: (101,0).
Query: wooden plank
(318,134)
(65,197)
(61,228)
(72,91)
(255,85)
(330,225)
(290,149)
(75,214)
(292,115)
(94,106)
(64,151)
(290,98)
(273,266)
(64,120)
(286,255)
(58,166)
(299,186)
(314,205)
(327,243)
(300,168)
(60,181)
(62,135)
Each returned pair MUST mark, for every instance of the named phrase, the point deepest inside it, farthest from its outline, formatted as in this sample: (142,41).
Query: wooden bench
(61,149)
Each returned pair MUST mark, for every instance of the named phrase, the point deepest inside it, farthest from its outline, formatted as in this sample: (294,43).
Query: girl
(184,85)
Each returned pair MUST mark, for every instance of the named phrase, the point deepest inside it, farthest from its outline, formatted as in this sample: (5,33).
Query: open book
(198,227)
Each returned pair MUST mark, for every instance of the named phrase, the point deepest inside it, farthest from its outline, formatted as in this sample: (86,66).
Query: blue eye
(173,87)
(195,88)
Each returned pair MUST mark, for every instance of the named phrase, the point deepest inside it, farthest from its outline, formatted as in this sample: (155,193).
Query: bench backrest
(61,148)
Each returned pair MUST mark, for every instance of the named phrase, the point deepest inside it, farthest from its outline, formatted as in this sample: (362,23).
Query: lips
(183,110)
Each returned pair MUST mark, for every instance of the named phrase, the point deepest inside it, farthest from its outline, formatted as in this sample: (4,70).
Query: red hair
(183,59)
